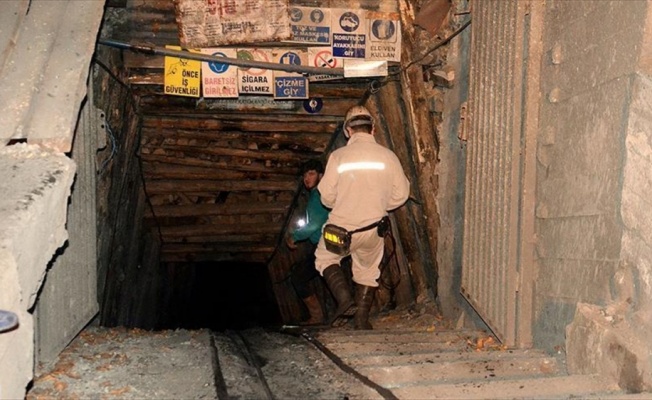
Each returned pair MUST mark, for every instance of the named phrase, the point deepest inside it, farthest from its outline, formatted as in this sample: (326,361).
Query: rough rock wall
(586,85)
(613,338)
(35,185)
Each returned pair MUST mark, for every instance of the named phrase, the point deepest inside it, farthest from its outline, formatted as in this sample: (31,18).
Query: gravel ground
(119,363)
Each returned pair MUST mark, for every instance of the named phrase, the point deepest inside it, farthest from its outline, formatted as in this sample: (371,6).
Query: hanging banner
(310,25)
(349,33)
(255,80)
(290,85)
(219,79)
(323,57)
(182,76)
(384,37)
(209,23)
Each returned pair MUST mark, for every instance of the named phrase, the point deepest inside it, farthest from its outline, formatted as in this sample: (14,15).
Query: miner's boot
(339,287)
(314,309)
(364,297)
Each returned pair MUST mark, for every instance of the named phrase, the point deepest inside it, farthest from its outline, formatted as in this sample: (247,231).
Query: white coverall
(362,182)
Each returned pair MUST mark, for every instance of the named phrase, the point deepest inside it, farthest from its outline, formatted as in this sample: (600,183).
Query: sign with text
(290,85)
(219,79)
(384,37)
(349,33)
(255,80)
(182,76)
(207,23)
(310,25)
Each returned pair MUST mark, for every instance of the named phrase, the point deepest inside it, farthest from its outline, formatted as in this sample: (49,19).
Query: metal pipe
(301,69)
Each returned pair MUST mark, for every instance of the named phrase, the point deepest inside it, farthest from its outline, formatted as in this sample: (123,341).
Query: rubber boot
(314,309)
(339,287)
(364,298)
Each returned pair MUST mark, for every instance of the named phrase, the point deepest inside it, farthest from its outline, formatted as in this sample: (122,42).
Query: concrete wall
(586,86)
(35,185)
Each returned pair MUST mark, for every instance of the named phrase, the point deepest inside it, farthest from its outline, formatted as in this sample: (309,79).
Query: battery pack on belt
(338,239)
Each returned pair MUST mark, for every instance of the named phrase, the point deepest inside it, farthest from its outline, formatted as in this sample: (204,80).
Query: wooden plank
(190,161)
(273,155)
(191,210)
(245,122)
(221,229)
(202,138)
(168,171)
(176,185)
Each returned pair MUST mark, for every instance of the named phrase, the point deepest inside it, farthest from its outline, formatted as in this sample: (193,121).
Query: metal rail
(301,69)
(386,393)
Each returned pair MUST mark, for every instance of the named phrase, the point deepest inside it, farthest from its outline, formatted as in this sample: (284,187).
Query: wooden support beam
(287,169)
(169,171)
(203,138)
(196,186)
(196,210)
(273,155)
(222,229)
(248,122)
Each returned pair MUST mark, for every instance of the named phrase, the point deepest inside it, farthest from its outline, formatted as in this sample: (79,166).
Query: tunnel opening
(185,181)
(221,295)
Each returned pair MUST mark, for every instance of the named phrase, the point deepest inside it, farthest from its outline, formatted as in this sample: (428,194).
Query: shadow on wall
(225,295)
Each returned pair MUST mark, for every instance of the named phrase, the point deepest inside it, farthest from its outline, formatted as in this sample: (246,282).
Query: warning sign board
(219,79)
(289,85)
(310,25)
(255,80)
(182,76)
(384,37)
(209,23)
(323,57)
(349,33)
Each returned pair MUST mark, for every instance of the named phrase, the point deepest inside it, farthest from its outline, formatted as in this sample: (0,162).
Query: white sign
(359,68)
(219,79)
(322,57)
(255,80)
(310,25)
(207,23)
(384,39)
(349,33)
(290,85)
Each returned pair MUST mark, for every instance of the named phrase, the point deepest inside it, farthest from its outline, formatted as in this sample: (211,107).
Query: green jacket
(316,216)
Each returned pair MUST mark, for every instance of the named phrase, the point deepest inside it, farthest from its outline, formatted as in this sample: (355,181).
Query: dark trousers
(303,271)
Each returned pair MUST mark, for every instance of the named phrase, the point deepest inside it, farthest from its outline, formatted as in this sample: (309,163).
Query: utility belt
(338,239)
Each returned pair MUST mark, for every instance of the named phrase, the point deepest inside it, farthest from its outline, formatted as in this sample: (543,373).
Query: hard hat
(357,116)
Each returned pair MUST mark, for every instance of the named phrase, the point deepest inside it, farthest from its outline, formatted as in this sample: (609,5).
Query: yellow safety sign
(182,76)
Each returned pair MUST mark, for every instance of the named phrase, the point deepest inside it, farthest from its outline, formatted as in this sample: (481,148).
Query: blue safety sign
(290,58)
(349,22)
(290,87)
(217,67)
(313,105)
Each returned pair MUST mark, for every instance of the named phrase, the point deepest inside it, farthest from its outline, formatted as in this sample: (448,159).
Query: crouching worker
(362,182)
(309,232)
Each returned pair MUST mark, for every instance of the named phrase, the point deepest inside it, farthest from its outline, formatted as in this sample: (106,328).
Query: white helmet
(357,116)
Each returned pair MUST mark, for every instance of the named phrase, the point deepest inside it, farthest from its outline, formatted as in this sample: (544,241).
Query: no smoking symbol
(325,59)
